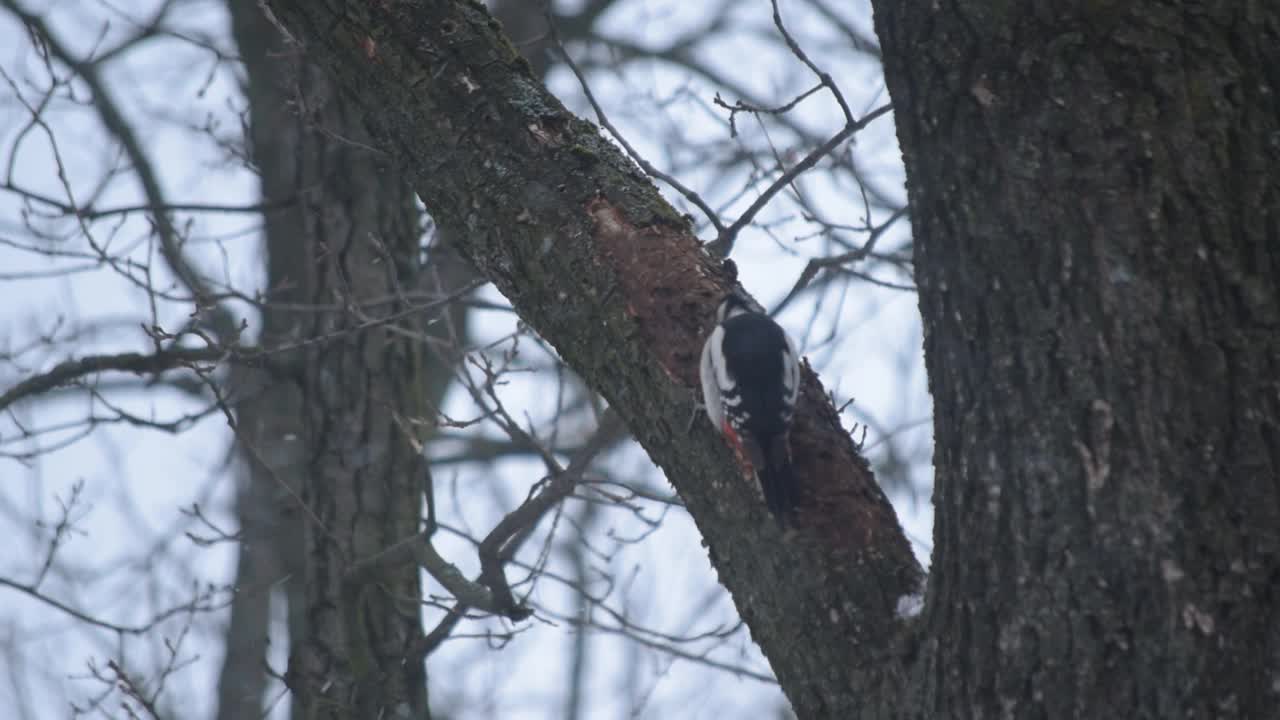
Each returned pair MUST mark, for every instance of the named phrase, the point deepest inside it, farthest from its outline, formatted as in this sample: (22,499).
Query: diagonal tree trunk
(596,261)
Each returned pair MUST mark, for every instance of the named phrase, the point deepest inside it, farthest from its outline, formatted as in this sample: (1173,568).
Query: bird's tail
(777,479)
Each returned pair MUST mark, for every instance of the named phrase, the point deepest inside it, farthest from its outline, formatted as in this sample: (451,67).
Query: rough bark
(328,423)
(270,438)
(362,397)
(1095,206)
(594,260)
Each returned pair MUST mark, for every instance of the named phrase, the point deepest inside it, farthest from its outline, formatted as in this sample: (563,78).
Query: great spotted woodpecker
(750,378)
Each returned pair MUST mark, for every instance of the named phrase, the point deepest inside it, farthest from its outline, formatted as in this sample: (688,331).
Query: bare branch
(91,213)
(116,123)
(811,269)
(502,542)
(722,246)
(137,363)
(203,600)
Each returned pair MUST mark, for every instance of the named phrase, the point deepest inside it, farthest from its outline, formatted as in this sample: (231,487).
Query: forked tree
(1094,209)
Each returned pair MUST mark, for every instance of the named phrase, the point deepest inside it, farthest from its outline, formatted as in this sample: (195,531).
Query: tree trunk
(363,393)
(270,438)
(335,475)
(1095,205)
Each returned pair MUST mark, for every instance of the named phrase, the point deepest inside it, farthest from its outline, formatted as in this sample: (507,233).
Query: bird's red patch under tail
(739,450)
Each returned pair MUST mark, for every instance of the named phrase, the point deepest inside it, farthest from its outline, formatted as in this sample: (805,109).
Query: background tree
(325,424)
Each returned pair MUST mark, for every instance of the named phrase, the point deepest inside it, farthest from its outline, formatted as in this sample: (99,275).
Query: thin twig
(815,264)
(504,540)
(202,602)
(645,165)
(116,124)
(741,106)
(722,246)
(90,213)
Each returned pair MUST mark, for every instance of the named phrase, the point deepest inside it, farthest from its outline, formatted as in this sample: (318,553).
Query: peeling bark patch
(546,134)
(665,282)
(668,287)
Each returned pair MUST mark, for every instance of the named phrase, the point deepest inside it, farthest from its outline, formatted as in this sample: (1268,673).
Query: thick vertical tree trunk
(1095,202)
(327,423)
(270,439)
(363,390)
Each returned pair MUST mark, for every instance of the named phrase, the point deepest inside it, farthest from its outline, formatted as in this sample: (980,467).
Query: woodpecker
(750,379)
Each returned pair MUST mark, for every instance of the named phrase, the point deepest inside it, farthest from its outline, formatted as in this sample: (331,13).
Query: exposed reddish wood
(670,285)
(671,288)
